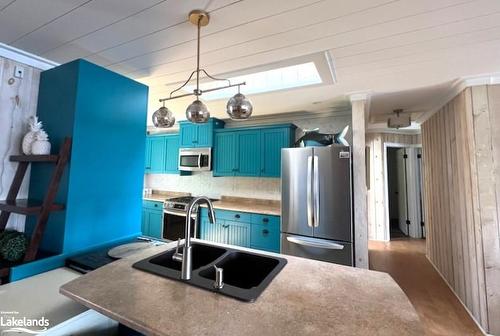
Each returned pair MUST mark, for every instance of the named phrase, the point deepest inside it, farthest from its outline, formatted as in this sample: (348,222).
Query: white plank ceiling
(405,52)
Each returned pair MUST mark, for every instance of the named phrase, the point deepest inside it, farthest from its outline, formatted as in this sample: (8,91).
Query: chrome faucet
(186,256)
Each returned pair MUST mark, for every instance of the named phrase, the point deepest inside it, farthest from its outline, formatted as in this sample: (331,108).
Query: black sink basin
(243,270)
(201,254)
(246,274)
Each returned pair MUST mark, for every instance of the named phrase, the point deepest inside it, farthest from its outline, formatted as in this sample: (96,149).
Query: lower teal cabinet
(242,229)
(265,238)
(152,219)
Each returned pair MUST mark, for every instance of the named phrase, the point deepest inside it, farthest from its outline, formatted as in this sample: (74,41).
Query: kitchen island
(306,298)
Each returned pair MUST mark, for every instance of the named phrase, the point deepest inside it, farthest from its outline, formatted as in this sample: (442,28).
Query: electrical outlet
(18,71)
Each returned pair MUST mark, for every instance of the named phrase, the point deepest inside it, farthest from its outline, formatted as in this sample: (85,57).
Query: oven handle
(199,160)
(174,213)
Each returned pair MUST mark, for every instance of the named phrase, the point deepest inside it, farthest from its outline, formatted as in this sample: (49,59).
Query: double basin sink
(246,274)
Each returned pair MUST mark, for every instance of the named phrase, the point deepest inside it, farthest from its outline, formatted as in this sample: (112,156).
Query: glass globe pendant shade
(197,112)
(163,118)
(239,107)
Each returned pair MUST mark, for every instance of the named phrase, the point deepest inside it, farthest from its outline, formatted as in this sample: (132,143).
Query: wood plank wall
(461,154)
(377,222)
(18,100)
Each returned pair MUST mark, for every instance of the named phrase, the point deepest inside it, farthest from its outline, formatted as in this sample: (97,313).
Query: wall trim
(458,86)
(25,57)
(459,299)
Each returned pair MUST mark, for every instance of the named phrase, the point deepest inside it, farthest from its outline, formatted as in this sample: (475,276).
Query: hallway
(440,311)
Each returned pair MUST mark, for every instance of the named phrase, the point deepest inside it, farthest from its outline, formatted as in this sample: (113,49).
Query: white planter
(40,147)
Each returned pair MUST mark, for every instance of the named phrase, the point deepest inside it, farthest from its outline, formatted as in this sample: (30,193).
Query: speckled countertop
(161,196)
(306,298)
(253,205)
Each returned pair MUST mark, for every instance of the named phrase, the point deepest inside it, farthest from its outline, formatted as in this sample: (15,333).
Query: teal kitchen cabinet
(225,149)
(198,135)
(162,154)
(248,153)
(152,219)
(156,155)
(272,141)
(252,151)
(257,231)
(172,154)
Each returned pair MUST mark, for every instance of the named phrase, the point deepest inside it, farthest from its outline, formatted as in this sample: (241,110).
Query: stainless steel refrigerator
(316,203)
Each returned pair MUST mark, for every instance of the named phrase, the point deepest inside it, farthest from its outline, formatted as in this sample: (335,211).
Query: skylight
(283,78)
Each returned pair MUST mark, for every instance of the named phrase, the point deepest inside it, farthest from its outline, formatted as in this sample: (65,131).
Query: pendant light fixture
(238,107)
(163,118)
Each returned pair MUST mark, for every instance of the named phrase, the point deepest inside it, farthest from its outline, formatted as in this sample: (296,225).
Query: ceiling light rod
(200,18)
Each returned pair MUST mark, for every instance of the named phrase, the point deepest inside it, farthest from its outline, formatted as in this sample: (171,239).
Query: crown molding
(27,58)
(458,86)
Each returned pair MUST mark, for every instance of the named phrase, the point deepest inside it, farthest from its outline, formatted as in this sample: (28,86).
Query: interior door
(332,190)
(295,180)
(402,189)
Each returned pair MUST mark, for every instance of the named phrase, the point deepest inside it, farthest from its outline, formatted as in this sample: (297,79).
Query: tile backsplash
(203,183)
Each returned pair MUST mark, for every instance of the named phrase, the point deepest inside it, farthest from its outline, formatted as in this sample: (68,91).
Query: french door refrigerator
(316,204)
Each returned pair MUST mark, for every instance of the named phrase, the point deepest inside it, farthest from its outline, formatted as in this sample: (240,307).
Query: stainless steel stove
(174,217)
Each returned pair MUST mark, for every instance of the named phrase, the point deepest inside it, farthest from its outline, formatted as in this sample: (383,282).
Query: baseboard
(459,299)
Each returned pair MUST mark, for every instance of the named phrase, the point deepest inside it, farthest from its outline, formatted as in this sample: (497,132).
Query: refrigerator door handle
(316,191)
(315,243)
(310,213)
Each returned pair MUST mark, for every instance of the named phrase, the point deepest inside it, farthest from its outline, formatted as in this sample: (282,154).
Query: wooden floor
(440,311)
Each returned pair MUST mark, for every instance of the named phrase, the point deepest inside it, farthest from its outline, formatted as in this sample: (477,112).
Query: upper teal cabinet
(198,135)
(162,154)
(252,151)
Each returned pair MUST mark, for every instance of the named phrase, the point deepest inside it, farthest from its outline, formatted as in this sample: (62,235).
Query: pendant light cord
(198,59)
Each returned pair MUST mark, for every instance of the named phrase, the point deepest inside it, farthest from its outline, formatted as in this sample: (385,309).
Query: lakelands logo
(12,323)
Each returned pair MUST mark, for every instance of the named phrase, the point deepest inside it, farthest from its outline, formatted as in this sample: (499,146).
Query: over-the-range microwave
(195,159)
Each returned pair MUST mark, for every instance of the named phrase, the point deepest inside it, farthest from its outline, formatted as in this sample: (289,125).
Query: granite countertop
(253,205)
(306,298)
(161,196)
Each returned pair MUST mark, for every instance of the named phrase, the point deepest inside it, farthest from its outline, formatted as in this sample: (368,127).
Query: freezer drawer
(318,249)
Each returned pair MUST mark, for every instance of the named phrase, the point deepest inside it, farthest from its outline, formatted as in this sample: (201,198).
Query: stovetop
(181,203)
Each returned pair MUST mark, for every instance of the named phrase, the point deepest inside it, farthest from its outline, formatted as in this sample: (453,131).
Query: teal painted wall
(105,113)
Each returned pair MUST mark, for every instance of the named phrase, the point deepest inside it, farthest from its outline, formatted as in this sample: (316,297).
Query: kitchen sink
(202,255)
(243,270)
(246,274)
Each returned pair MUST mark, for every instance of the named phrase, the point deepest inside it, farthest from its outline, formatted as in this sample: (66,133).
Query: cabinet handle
(225,226)
(237,216)
(265,220)
(265,232)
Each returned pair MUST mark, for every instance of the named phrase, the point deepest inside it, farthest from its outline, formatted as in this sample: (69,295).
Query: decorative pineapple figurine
(41,145)
(35,126)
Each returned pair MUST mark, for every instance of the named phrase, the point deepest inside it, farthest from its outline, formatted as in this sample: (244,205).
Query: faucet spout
(187,253)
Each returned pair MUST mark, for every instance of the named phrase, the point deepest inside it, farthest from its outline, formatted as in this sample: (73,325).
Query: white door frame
(387,228)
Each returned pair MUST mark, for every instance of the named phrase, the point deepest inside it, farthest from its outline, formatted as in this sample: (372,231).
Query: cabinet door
(147,164)
(238,233)
(155,224)
(145,222)
(225,154)
(213,232)
(157,154)
(248,153)
(189,135)
(265,238)
(273,140)
(172,155)
(204,135)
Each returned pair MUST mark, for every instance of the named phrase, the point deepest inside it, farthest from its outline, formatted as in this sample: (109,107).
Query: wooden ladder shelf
(31,207)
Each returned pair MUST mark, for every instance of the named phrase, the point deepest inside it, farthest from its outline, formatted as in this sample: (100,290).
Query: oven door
(174,225)
(195,159)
